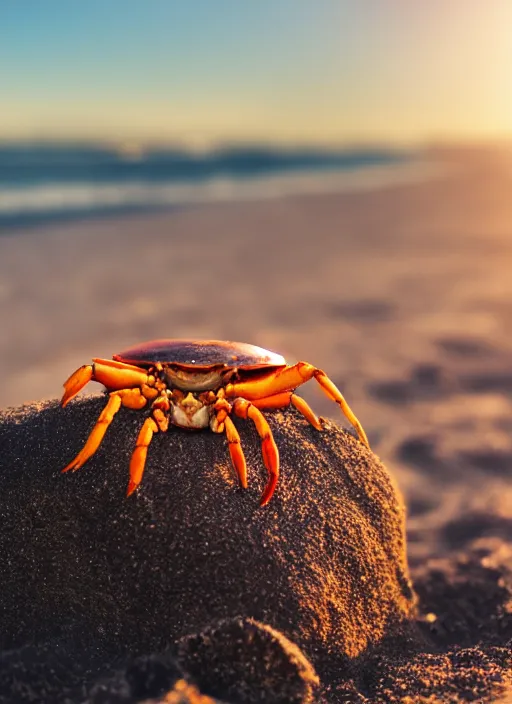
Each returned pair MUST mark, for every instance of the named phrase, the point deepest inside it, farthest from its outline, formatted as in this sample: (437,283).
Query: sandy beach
(402,294)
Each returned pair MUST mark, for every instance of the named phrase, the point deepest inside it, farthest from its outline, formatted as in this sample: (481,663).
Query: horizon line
(191,144)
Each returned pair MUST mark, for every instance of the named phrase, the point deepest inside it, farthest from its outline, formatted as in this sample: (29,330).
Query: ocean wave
(32,164)
(88,197)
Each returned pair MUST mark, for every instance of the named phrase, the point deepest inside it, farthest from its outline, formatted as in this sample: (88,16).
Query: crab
(197,384)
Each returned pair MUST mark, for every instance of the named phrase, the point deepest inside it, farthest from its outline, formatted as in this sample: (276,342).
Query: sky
(202,71)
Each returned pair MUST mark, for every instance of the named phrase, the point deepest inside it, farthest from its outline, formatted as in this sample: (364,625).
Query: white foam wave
(63,198)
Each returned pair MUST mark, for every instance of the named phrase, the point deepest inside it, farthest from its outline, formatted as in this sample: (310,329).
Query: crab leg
(285,399)
(332,391)
(113,375)
(224,424)
(287,379)
(303,407)
(76,383)
(245,409)
(97,433)
(138,460)
(235,451)
(131,398)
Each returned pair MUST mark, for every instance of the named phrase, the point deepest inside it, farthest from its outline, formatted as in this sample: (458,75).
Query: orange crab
(195,384)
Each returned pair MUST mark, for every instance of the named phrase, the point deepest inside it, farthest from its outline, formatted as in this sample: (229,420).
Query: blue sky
(298,70)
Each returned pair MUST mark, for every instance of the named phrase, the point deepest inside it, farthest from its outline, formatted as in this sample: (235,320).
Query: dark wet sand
(403,295)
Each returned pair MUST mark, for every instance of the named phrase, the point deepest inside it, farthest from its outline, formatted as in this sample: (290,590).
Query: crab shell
(193,365)
(200,354)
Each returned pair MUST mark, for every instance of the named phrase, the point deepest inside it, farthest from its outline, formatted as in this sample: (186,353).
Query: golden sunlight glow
(423,72)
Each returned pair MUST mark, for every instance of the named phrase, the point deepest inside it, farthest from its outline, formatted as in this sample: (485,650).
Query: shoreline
(57,203)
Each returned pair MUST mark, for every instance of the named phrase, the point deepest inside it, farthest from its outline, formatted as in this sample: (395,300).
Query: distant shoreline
(45,203)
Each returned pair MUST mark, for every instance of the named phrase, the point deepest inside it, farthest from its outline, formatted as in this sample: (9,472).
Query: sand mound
(189,592)
(324,562)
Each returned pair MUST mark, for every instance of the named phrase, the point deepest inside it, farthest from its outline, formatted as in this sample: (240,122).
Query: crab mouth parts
(190,413)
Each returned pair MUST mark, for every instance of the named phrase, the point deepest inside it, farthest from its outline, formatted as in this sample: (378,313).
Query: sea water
(48,181)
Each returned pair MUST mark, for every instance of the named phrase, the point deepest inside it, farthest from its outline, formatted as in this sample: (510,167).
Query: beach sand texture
(324,563)
(403,295)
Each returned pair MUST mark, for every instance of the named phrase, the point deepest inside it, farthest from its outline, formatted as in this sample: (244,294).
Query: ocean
(41,181)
